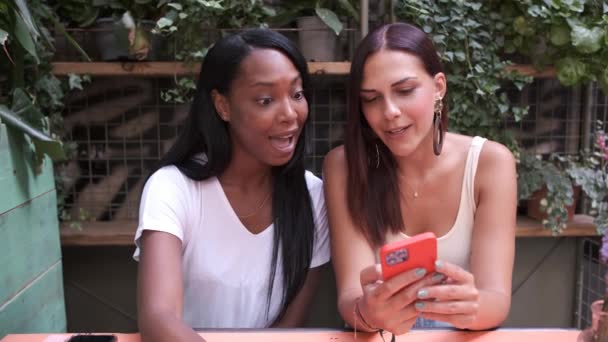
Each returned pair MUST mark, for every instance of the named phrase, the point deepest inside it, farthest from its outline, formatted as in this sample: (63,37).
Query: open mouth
(285,143)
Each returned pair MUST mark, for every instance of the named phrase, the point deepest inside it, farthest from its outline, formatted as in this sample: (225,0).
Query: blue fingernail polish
(438,264)
(419,305)
(420,272)
(437,277)
(422,293)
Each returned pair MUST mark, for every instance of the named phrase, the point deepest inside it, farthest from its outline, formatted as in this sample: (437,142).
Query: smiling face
(397,99)
(265,108)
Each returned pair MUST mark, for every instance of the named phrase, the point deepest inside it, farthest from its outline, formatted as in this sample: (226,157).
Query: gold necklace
(256,209)
(415,194)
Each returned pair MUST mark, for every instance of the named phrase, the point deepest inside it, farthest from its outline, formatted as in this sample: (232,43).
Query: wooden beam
(145,69)
(581,225)
(529,70)
(121,233)
(159,69)
(98,233)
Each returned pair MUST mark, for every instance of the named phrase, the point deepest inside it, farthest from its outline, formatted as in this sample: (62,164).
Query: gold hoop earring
(377,156)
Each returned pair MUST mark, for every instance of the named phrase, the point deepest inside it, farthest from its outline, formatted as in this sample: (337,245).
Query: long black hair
(204,132)
(373,192)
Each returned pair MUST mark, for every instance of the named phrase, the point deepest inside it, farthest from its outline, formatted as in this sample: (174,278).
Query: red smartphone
(419,251)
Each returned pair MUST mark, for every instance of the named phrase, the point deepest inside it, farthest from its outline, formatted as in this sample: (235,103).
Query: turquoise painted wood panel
(18,180)
(38,308)
(29,243)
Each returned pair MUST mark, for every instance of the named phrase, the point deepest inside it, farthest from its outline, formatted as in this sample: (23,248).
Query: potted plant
(569,35)
(590,172)
(547,189)
(319,24)
(194,26)
(123,29)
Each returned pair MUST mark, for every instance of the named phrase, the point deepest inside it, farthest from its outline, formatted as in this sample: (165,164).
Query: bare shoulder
(496,162)
(335,161)
(495,155)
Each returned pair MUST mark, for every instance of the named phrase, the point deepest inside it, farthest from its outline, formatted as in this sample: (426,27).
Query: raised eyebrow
(270,84)
(403,80)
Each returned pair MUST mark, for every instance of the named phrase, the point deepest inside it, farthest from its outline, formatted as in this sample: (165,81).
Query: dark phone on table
(92,338)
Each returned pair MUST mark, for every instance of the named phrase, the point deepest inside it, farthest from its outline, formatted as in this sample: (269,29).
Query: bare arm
(350,252)
(493,245)
(298,309)
(160,289)
(481,298)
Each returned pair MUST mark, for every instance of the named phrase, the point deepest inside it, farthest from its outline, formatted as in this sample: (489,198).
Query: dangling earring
(377,156)
(437,126)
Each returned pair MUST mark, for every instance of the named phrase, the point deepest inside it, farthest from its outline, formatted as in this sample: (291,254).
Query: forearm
(346,307)
(166,327)
(493,309)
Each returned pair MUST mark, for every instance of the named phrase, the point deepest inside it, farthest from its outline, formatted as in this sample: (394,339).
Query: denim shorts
(422,323)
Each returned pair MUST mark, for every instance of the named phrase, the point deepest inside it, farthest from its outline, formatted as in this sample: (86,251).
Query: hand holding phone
(419,251)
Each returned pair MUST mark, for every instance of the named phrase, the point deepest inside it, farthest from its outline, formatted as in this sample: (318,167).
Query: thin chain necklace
(256,209)
(415,192)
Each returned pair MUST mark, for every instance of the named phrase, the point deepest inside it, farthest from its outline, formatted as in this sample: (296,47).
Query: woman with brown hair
(406,175)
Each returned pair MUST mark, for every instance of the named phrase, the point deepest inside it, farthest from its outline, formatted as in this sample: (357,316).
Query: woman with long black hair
(232,228)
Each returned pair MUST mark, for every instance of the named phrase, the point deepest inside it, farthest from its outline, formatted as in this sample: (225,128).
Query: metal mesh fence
(122,128)
(590,280)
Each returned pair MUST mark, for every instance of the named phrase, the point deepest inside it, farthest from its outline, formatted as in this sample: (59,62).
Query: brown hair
(373,192)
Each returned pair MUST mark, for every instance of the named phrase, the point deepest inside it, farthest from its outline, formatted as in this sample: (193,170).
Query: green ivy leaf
(211,4)
(74,81)
(330,19)
(586,40)
(175,5)
(164,22)
(570,71)
(559,35)
(25,38)
(42,142)
(521,26)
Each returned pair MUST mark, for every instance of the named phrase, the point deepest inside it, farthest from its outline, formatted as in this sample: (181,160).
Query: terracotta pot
(597,316)
(535,210)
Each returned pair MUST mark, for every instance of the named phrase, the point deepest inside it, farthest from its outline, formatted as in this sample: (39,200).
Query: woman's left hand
(456,301)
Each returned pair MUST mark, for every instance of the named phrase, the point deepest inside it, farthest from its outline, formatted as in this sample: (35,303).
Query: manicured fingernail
(437,277)
(420,272)
(419,305)
(423,293)
(438,264)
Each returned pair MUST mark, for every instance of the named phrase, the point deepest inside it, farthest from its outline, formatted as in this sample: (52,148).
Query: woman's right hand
(389,305)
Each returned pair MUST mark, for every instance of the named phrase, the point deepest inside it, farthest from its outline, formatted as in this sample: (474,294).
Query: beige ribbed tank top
(455,245)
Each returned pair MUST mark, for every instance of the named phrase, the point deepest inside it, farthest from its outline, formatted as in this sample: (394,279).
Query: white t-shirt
(225,267)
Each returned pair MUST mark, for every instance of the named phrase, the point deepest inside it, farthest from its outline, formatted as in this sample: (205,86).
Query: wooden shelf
(529,70)
(120,233)
(581,225)
(102,233)
(157,69)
